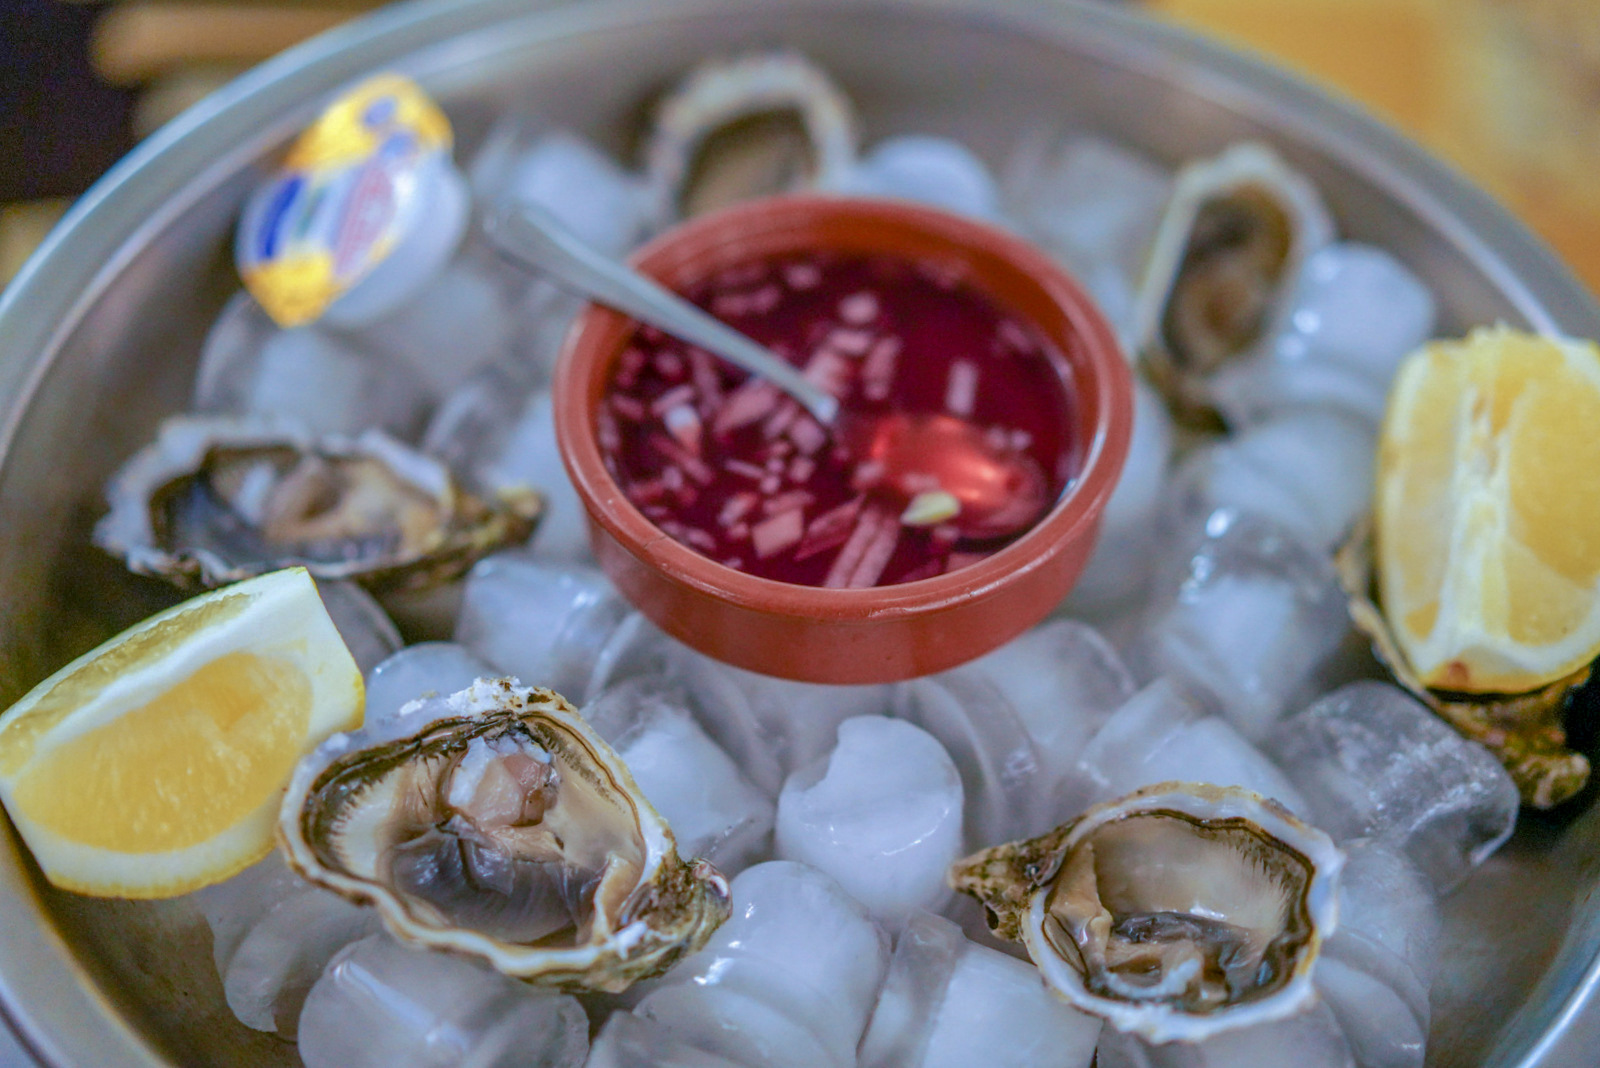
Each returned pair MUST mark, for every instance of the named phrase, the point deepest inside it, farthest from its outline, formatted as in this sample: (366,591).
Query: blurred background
(1507,90)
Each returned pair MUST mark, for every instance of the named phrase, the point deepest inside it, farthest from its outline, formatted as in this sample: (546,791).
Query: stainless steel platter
(100,336)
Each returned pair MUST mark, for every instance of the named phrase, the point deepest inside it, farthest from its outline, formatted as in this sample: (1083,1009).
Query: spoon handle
(537,238)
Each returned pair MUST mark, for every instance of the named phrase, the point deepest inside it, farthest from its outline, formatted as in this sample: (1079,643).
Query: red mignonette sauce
(731,467)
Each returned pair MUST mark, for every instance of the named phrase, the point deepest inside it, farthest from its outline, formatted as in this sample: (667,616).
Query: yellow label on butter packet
(348,189)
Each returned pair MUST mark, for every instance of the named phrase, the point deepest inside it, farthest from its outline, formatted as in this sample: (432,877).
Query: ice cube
(459,324)
(1358,307)
(714,811)
(769,726)
(330,385)
(1375,971)
(544,623)
(1118,574)
(1253,390)
(230,354)
(934,170)
(881,814)
(235,905)
(1309,469)
(629,1041)
(797,944)
(635,649)
(1311,1039)
(274,966)
(1001,772)
(1094,205)
(949,1003)
(367,630)
(382,1005)
(530,457)
(545,313)
(1088,200)
(439,668)
(1165,734)
(1356,312)
(271,935)
(1064,680)
(567,176)
(733,1024)
(1015,722)
(1374,762)
(1248,614)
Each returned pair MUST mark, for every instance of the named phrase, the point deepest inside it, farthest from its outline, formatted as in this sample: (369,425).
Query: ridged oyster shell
(495,823)
(216,499)
(1523,730)
(754,125)
(1175,913)
(1222,267)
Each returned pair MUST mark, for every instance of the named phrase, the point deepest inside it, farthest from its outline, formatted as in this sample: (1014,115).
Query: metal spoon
(998,492)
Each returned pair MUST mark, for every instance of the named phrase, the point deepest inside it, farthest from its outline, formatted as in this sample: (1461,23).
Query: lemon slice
(1488,511)
(154,765)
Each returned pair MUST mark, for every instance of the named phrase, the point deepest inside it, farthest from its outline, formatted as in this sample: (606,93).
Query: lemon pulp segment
(182,768)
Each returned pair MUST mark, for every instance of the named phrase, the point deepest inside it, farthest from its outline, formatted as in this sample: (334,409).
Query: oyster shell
(1177,912)
(218,499)
(496,824)
(1523,730)
(1222,266)
(757,124)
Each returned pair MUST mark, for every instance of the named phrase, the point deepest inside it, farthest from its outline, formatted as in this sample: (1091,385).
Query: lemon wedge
(154,765)
(1488,511)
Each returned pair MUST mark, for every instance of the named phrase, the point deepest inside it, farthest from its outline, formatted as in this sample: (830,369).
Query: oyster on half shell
(1177,912)
(754,125)
(495,823)
(1222,267)
(216,499)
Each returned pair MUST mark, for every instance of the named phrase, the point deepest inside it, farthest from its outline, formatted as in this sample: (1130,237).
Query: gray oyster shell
(1175,913)
(496,824)
(216,499)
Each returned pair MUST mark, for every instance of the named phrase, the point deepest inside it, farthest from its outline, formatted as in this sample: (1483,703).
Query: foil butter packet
(372,176)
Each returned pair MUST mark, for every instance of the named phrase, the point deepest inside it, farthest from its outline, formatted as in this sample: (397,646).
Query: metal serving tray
(99,338)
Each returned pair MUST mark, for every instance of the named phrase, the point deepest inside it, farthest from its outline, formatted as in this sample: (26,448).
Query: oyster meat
(754,125)
(1222,266)
(218,499)
(496,824)
(1178,912)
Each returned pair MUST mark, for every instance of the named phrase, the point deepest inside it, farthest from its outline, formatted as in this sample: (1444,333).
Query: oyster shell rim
(1018,876)
(613,958)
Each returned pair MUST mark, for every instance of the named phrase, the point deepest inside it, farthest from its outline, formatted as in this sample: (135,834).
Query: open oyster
(1523,730)
(1222,266)
(496,824)
(217,499)
(1177,912)
(746,127)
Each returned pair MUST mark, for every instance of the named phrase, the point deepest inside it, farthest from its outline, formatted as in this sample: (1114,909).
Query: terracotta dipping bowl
(884,633)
